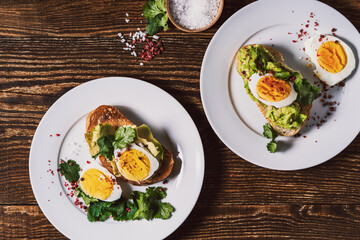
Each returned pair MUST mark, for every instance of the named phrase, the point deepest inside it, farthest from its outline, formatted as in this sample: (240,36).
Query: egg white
(254,79)
(311,47)
(117,191)
(154,163)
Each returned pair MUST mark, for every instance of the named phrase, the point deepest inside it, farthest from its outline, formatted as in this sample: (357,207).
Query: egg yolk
(272,89)
(134,165)
(332,56)
(96,184)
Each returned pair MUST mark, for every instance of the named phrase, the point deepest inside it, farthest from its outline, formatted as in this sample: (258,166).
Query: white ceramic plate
(236,119)
(142,103)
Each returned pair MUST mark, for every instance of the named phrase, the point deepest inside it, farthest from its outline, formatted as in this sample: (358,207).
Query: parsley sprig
(123,137)
(141,205)
(271,134)
(155,13)
(70,170)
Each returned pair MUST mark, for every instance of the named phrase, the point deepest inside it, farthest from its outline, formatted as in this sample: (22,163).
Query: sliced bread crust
(111,115)
(303,109)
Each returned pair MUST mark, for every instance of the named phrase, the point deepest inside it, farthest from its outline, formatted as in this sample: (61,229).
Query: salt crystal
(155,37)
(127,20)
(120,35)
(194,14)
(127,14)
(141,64)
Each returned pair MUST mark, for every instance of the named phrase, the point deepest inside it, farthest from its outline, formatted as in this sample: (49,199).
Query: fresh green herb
(307,93)
(141,205)
(271,134)
(271,146)
(155,13)
(87,199)
(106,147)
(282,75)
(98,211)
(123,137)
(269,131)
(70,170)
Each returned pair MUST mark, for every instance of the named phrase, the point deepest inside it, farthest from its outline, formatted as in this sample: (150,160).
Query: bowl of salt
(194,15)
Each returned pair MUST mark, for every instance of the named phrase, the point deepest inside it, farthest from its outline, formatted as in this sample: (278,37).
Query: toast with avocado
(108,129)
(283,96)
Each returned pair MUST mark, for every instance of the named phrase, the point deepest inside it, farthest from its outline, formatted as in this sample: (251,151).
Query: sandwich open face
(283,96)
(128,151)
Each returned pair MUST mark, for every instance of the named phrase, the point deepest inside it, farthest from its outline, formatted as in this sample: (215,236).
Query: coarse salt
(194,14)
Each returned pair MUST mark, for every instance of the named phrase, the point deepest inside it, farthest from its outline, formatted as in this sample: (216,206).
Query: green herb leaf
(161,5)
(98,211)
(156,193)
(165,210)
(123,137)
(282,75)
(141,205)
(106,147)
(87,199)
(154,27)
(153,8)
(155,13)
(163,22)
(271,146)
(307,93)
(269,131)
(70,170)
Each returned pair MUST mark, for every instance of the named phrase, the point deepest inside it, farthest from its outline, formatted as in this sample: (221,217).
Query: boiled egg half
(97,182)
(333,59)
(135,162)
(272,91)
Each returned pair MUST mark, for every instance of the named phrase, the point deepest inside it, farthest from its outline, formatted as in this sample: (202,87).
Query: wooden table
(49,47)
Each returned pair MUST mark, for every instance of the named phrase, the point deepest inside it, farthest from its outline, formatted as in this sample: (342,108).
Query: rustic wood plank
(272,222)
(223,222)
(49,47)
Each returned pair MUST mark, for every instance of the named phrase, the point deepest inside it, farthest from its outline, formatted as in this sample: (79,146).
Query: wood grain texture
(49,47)
(223,222)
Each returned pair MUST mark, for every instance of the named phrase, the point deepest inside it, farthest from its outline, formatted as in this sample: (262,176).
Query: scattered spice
(152,49)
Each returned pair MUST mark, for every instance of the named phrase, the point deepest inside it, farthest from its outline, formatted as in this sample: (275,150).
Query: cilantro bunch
(155,13)
(140,205)
(270,133)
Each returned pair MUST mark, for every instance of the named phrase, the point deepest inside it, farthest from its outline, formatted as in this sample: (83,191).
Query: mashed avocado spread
(98,132)
(287,117)
(256,59)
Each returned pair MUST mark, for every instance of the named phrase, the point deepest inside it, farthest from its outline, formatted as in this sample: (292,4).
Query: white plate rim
(66,225)
(213,108)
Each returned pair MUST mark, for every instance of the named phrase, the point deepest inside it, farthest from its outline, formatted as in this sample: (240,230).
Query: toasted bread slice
(111,115)
(106,114)
(303,109)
